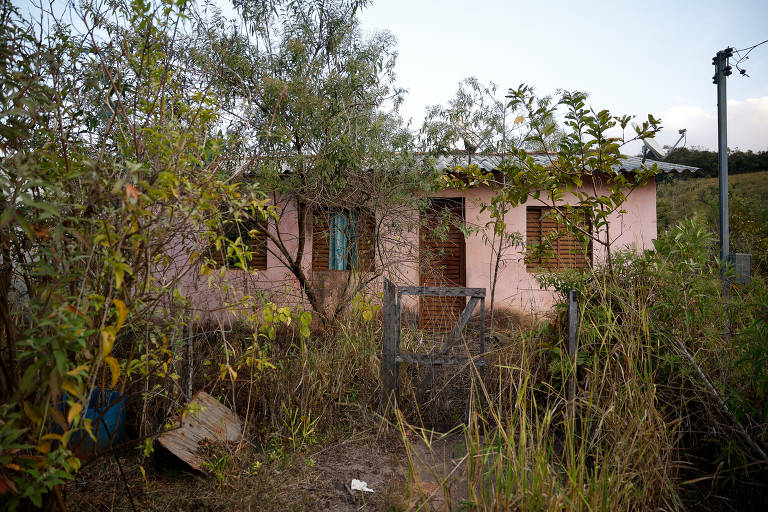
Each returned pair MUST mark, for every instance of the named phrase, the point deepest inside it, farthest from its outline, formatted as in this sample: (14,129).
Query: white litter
(359,485)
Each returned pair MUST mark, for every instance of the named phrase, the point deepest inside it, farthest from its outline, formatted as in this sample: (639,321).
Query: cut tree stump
(205,419)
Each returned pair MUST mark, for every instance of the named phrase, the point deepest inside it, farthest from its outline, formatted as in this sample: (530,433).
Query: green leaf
(6,216)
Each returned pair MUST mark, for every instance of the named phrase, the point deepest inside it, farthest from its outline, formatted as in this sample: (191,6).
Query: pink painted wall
(398,239)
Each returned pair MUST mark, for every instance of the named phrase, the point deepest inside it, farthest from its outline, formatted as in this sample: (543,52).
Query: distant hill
(684,198)
(739,162)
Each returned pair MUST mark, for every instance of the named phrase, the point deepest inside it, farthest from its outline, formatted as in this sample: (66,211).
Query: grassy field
(698,197)
(683,198)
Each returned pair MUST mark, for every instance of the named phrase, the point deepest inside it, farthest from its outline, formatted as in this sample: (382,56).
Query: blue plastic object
(106,410)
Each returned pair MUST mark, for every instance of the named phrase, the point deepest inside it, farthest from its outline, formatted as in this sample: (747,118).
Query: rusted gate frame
(392,323)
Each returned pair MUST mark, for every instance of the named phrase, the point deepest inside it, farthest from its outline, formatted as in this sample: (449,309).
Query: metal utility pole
(722,70)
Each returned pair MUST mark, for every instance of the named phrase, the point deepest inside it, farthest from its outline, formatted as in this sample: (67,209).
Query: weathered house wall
(397,256)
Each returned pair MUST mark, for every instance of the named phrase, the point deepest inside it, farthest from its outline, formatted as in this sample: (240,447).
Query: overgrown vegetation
(643,431)
(112,167)
(125,156)
(698,197)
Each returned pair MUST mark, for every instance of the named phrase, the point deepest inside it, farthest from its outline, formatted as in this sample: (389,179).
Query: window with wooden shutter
(343,239)
(366,242)
(548,239)
(253,235)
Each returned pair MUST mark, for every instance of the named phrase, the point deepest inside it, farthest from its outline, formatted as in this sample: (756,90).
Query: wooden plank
(207,419)
(389,343)
(366,244)
(567,249)
(441,291)
(320,241)
(258,246)
(463,319)
(437,359)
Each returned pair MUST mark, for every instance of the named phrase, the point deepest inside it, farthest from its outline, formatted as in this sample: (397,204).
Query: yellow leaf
(44,447)
(119,278)
(107,341)
(122,313)
(74,371)
(114,369)
(73,412)
(65,438)
(519,119)
(70,387)
(32,412)
(13,466)
(51,437)
(89,428)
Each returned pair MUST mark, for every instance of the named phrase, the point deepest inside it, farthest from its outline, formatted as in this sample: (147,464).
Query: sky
(632,57)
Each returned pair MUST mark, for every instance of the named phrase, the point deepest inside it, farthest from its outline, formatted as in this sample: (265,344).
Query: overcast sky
(635,57)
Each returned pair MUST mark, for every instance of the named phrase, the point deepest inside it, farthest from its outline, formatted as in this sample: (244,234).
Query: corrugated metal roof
(490,162)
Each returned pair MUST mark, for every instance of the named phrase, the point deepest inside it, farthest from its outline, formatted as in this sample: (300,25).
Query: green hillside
(684,198)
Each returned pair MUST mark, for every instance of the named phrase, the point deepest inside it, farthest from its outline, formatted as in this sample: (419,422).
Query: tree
(110,166)
(304,96)
(585,160)
(739,162)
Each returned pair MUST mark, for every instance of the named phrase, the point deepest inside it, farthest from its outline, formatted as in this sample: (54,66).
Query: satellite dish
(650,145)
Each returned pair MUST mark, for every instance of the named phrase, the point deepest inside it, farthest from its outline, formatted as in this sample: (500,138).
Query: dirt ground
(319,480)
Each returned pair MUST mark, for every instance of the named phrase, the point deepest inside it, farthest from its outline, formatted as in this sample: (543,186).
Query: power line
(750,48)
(743,72)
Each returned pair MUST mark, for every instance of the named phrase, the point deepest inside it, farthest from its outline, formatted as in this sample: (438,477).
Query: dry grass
(641,434)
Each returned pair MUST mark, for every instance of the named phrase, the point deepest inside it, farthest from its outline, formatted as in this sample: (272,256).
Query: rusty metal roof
(488,162)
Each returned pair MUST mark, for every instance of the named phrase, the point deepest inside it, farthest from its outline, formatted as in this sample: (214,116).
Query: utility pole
(722,70)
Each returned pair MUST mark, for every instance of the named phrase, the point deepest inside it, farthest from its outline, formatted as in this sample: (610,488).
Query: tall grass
(632,438)
(642,432)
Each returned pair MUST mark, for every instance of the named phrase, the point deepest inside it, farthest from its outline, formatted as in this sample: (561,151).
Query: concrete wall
(397,256)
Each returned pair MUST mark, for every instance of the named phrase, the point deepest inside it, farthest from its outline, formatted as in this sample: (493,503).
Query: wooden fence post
(573,330)
(389,344)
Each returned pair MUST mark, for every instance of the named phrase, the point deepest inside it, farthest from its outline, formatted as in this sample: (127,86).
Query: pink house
(349,251)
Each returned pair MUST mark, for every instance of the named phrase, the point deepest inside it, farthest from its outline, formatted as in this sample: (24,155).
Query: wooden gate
(442,255)
(392,357)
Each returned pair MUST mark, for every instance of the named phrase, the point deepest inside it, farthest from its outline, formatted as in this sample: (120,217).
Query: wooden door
(442,254)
